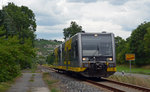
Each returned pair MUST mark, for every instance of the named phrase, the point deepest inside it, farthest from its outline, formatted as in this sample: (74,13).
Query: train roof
(83,33)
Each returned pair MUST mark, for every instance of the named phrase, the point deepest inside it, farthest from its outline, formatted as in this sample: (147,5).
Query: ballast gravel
(68,84)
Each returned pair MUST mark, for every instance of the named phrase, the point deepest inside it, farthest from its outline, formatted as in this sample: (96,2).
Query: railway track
(118,86)
(130,85)
(105,86)
(114,85)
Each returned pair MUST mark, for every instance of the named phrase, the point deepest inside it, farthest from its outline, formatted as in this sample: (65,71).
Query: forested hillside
(44,48)
(17,27)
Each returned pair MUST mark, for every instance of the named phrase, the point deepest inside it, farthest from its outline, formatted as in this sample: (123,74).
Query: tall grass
(52,84)
(134,69)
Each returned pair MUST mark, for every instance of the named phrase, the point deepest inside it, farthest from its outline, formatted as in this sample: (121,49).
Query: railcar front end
(98,54)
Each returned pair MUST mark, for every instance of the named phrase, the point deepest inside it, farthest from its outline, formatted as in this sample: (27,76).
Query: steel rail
(112,88)
(97,84)
(105,86)
(129,85)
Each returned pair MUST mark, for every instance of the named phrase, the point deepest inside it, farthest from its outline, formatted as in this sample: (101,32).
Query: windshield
(97,44)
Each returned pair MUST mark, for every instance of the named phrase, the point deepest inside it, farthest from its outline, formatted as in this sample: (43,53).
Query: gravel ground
(68,84)
(71,85)
(134,75)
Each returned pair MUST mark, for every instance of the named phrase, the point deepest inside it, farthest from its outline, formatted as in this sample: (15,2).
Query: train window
(76,49)
(63,58)
(74,52)
(100,45)
(59,52)
(69,54)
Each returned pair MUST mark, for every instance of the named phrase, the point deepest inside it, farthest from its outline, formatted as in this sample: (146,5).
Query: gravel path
(29,82)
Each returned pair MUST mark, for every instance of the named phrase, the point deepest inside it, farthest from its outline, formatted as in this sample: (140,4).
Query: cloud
(50,29)
(118,2)
(84,1)
(119,17)
(48,20)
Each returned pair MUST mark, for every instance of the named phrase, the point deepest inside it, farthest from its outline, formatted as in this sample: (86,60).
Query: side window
(63,54)
(76,49)
(70,54)
(74,52)
(59,52)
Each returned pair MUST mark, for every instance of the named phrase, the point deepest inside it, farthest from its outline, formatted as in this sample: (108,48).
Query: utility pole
(130,66)
(130,57)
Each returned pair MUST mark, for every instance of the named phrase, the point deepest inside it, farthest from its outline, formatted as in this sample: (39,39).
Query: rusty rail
(105,86)
(130,85)
(115,82)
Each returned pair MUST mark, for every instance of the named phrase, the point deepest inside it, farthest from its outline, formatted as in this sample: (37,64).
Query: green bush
(17,27)
(14,56)
(9,69)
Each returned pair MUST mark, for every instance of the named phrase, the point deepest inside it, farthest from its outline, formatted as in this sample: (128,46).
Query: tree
(19,21)
(122,47)
(72,30)
(147,44)
(50,59)
(2,31)
(17,27)
(137,43)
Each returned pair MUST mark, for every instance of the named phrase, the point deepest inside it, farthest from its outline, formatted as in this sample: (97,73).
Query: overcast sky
(117,16)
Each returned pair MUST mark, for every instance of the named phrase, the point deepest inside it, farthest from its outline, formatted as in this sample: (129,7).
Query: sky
(120,17)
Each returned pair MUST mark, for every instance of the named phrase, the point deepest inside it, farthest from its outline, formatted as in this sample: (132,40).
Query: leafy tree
(122,47)
(17,24)
(50,59)
(20,21)
(72,30)
(27,55)
(137,44)
(2,31)
(9,67)
(147,44)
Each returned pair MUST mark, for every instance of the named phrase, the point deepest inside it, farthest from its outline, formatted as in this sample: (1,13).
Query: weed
(132,80)
(52,84)
(4,86)
(32,78)
(54,90)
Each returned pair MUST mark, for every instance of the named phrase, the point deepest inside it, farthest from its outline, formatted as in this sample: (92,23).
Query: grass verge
(32,78)
(132,80)
(4,86)
(134,69)
(52,84)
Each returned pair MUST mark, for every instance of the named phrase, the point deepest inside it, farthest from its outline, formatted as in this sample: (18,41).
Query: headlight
(84,59)
(109,59)
(95,35)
